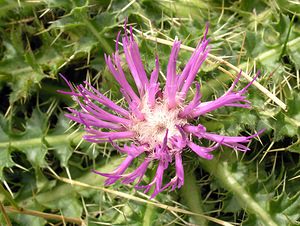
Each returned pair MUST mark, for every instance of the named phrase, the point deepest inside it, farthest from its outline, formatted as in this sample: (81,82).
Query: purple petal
(117,173)
(178,180)
(105,101)
(157,181)
(134,108)
(232,142)
(222,101)
(153,86)
(88,121)
(250,83)
(100,136)
(134,62)
(98,112)
(155,73)
(201,151)
(132,150)
(230,98)
(117,41)
(196,54)
(178,142)
(152,91)
(179,170)
(200,57)
(171,86)
(193,104)
(192,67)
(120,76)
(137,173)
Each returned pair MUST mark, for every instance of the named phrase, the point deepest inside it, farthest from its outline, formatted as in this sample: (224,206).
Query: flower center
(158,120)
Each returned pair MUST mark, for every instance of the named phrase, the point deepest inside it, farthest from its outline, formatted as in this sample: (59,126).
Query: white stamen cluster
(158,119)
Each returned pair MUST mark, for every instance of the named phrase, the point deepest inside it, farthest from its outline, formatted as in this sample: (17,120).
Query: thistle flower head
(158,118)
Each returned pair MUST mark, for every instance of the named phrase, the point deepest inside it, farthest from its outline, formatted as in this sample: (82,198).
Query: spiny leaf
(289,6)
(5,161)
(253,192)
(285,209)
(293,50)
(5,157)
(62,150)
(287,124)
(25,220)
(68,206)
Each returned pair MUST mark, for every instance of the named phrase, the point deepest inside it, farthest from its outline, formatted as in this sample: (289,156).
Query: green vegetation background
(40,151)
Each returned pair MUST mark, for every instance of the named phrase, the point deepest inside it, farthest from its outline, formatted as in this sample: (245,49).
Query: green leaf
(287,124)
(289,6)
(294,108)
(293,50)
(105,20)
(253,44)
(5,161)
(68,206)
(36,125)
(63,190)
(62,151)
(35,128)
(285,209)
(25,220)
(283,126)
(254,191)
(5,157)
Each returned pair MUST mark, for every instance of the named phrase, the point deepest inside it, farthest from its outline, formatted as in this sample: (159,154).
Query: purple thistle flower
(157,121)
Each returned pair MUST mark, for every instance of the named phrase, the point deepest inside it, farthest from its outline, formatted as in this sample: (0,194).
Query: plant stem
(102,40)
(192,196)
(8,196)
(90,181)
(287,37)
(6,218)
(65,189)
(148,216)
(79,186)
(49,216)
(51,139)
